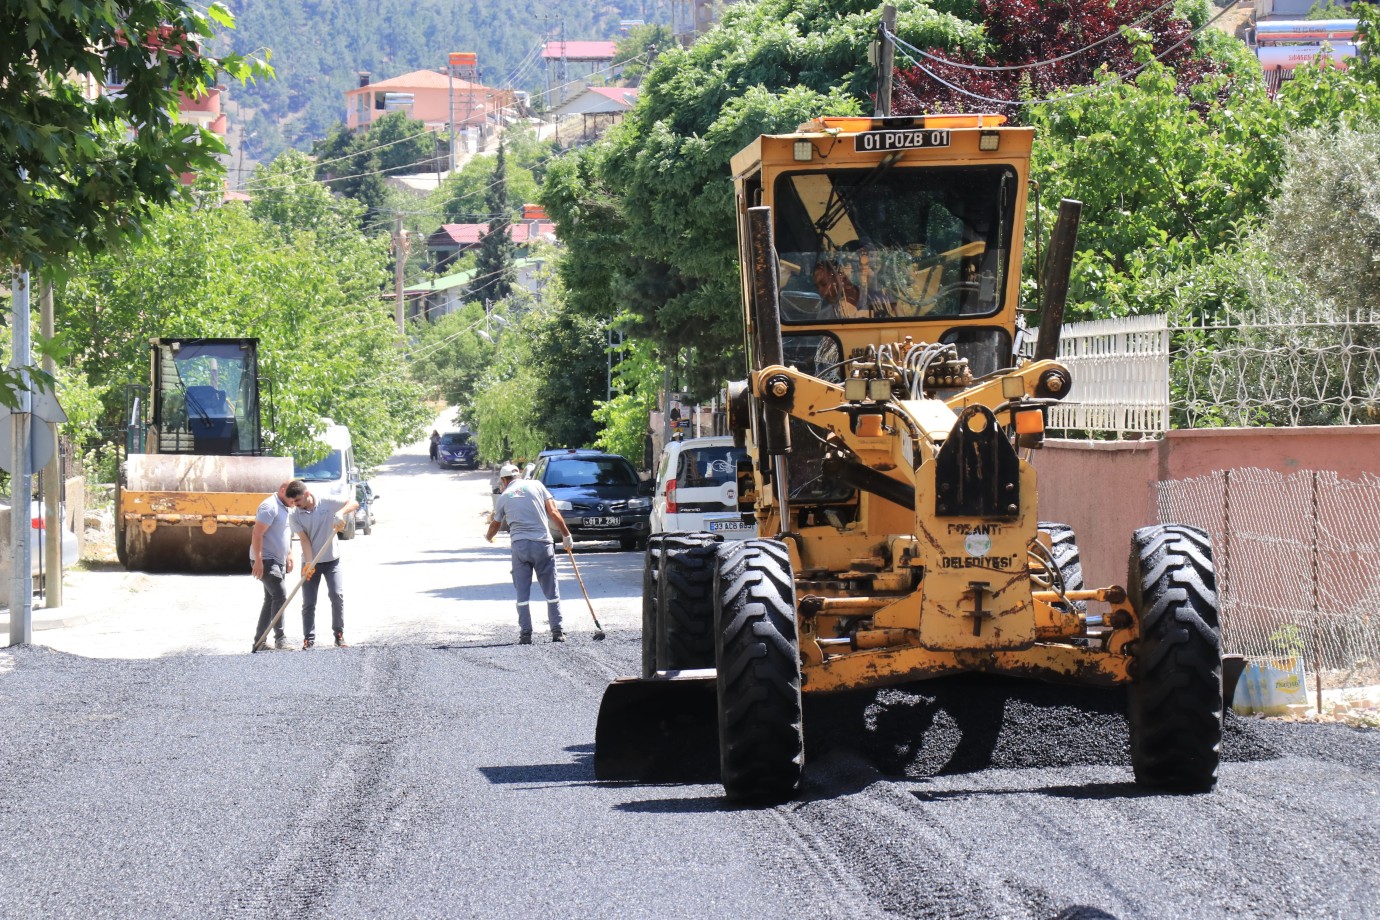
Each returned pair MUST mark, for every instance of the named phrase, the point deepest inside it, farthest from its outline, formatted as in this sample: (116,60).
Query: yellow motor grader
(194,470)
(886,419)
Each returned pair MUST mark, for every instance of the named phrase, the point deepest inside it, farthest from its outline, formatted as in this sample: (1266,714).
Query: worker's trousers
(330,573)
(274,598)
(539,558)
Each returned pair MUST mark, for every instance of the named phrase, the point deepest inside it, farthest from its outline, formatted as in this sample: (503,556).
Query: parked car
(457,450)
(364,514)
(38,537)
(697,489)
(600,495)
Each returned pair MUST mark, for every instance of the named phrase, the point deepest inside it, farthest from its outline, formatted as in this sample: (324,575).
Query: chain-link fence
(1298,564)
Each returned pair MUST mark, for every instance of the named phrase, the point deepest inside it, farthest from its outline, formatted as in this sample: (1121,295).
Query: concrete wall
(1106,489)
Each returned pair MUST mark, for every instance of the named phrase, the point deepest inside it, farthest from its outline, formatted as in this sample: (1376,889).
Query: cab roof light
(853,125)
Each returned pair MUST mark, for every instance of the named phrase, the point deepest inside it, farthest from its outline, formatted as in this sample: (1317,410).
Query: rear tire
(368,525)
(1176,694)
(761,732)
(685,603)
(627,544)
(1064,549)
(650,566)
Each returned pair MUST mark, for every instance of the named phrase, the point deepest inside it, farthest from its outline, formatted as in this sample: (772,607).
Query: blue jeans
(529,557)
(335,587)
(274,598)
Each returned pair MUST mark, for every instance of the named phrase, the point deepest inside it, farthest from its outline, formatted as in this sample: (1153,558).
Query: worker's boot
(524,638)
(308,642)
(340,639)
(280,641)
(558,636)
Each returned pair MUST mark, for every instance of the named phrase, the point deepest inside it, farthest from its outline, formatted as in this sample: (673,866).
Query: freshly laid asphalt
(153,768)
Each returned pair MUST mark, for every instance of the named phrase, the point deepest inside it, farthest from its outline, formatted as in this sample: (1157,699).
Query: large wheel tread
(1176,700)
(760,715)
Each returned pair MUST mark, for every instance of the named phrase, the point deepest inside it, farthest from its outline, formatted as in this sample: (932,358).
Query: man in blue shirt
(270,559)
(527,508)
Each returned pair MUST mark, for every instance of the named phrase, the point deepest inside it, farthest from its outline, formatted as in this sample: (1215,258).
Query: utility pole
(450,75)
(563,61)
(886,60)
(399,262)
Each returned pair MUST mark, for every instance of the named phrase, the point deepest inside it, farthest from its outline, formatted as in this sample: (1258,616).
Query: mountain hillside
(319,46)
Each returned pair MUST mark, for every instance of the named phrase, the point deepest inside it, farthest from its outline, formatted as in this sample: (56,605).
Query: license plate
(602,521)
(877,141)
(715,526)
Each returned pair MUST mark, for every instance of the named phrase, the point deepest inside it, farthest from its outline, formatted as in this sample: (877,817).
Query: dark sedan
(457,450)
(599,495)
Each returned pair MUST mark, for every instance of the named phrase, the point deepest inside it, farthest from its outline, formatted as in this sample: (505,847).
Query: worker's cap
(508,471)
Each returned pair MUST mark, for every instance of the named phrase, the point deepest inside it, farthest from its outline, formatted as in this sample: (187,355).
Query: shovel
(598,630)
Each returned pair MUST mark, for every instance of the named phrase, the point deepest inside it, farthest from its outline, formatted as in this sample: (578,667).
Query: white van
(697,489)
(334,475)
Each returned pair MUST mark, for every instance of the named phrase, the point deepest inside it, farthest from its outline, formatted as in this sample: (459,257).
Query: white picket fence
(1120,371)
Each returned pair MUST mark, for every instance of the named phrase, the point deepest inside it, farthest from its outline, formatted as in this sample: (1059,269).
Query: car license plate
(876,141)
(603,521)
(715,526)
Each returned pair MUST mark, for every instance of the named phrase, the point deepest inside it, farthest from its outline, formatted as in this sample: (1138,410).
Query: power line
(1032,65)
(1087,91)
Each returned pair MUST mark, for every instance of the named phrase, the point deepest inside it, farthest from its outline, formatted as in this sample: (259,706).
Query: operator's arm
(256,548)
(494,525)
(554,514)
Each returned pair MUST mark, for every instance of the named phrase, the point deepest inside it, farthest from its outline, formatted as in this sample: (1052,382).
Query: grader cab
(194,469)
(890,423)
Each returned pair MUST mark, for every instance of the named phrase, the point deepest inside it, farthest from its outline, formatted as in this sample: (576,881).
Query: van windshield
(701,467)
(328,469)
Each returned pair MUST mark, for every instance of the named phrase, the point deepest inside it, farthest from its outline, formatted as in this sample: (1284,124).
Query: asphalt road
(151,767)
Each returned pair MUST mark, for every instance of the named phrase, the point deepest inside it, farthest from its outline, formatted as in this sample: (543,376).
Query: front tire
(1176,694)
(761,731)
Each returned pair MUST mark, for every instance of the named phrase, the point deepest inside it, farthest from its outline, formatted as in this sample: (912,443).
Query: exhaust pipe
(1055,282)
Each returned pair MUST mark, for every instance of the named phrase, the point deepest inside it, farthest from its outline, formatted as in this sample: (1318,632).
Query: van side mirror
(354,474)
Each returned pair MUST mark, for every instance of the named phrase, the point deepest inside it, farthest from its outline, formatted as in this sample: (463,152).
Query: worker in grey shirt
(316,521)
(528,508)
(270,558)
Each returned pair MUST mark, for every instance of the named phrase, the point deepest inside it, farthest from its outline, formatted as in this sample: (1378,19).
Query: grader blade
(661,729)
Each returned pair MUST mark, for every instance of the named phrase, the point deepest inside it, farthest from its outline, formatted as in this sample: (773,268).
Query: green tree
(452,357)
(355,165)
(85,173)
(495,262)
(647,212)
(625,418)
(311,297)
(286,195)
(462,197)
(635,52)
